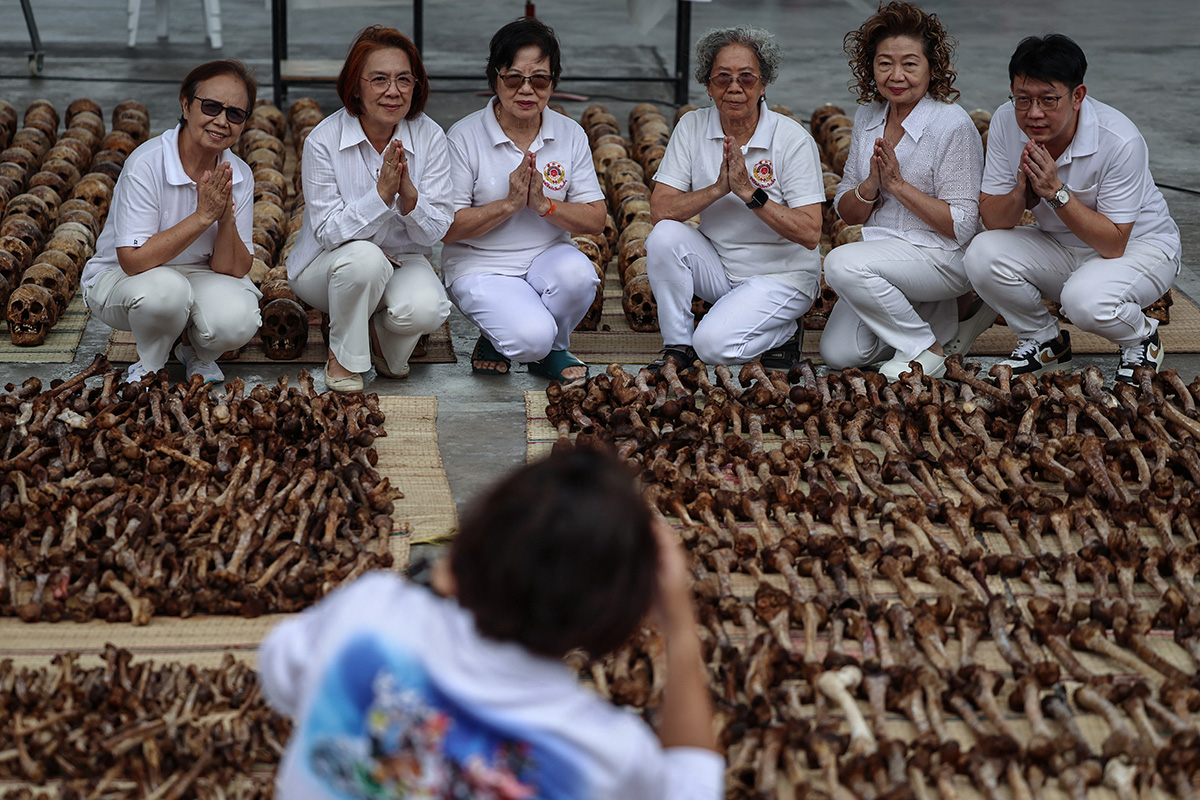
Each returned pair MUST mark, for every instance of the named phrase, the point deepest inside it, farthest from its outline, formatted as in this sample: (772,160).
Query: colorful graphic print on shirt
(554,176)
(380,727)
(763,174)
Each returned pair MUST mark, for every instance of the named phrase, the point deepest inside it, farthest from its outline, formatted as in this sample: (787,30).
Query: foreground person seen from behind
(465,694)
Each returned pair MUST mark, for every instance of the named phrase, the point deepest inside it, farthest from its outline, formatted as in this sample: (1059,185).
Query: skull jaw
(27,334)
(283,349)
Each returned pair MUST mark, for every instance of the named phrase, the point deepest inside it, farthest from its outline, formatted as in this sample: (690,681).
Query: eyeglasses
(540,82)
(722,80)
(213,108)
(1048,103)
(380,83)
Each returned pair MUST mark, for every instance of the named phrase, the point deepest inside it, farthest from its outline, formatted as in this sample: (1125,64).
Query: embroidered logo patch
(554,176)
(763,174)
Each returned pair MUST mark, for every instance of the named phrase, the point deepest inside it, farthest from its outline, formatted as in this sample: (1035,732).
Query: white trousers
(746,320)
(1012,270)
(219,311)
(894,299)
(357,285)
(527,316)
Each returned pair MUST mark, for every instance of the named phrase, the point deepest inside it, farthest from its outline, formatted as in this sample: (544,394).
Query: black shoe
(1037,357)
(786,355)
(1146,353)
(682,354)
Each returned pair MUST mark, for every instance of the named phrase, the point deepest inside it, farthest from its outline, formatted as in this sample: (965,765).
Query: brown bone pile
(54,197)
(121,501)
(983,586)
(126,729)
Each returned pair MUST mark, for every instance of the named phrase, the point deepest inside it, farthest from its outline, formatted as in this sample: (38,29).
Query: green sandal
(484,351)
(552,366)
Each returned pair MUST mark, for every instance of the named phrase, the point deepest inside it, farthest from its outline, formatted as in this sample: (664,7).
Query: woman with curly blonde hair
(912,181)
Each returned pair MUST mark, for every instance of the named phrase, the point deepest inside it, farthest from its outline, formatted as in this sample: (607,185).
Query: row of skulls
(54,197)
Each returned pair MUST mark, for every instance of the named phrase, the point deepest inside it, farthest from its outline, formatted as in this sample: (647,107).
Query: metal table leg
(36,57)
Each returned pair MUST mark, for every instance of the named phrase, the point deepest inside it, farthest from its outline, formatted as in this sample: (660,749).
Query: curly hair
(901,19)
(759,41)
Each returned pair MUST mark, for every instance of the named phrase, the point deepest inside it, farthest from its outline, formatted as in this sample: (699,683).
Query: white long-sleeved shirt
(940,154)
(340,170)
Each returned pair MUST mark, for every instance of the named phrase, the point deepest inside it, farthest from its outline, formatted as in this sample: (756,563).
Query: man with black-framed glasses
(1105,245)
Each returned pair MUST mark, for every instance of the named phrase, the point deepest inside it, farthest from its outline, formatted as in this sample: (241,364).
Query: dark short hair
(229,66)
(901,19)
(558,555)
(522,32)
(1053,58)
(370,39)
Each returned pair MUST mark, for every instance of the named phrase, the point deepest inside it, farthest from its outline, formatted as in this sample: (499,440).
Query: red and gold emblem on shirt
(554,176)
(763,174)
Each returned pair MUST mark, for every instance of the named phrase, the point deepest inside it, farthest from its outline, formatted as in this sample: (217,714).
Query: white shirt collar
(497,136)
(1086,140)
(764,131)
(914,124)
(353,134)
(173,165)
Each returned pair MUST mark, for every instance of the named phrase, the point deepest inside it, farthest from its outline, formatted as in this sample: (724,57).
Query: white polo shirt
(482,157)
(340,169)
(152,194)
(940,154)
(782,159)
(1106,167)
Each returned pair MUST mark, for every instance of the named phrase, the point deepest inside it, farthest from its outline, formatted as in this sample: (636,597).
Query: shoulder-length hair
(211,69)
(901,19)
(370,39)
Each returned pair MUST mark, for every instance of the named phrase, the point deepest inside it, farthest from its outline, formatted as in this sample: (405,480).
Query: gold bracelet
(862,199)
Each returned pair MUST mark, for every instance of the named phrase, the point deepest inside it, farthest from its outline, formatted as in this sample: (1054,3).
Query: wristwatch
(1060,197)
(758,199)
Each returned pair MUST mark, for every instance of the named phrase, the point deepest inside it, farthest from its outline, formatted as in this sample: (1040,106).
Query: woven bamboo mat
(408,455)
(440,350)
(615,342)
(61,343)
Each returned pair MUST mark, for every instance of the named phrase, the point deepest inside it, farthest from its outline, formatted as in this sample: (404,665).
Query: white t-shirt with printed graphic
(481,159)
(782,159)
(395,694)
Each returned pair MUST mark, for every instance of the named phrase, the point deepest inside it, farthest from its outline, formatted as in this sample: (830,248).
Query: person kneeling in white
(1105,246)
(175,251)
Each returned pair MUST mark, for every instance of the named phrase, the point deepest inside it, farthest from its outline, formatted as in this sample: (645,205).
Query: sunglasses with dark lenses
(213,108)
(540,82)
(722,80)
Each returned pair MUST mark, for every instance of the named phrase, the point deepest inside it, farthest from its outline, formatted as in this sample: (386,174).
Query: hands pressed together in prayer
(214,195)
(885,171)
(394,178)
(525,189)
(1038,174)
(733,176)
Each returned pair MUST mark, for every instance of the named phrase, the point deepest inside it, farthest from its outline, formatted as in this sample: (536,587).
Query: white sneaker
(933,365)
(135,372)
(969,330)
(193,364)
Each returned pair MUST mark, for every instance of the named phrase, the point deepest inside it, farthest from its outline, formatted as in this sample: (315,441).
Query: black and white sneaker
(1038,357)
(1146,353)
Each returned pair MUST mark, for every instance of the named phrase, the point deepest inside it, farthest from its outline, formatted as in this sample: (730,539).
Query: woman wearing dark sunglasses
(523,183)
(176,247)
(754,178)
(377,198)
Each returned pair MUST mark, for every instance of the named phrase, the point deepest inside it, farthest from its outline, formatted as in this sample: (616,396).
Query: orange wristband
(551,211)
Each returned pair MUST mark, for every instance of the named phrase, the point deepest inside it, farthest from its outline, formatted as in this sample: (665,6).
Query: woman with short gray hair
(754,178)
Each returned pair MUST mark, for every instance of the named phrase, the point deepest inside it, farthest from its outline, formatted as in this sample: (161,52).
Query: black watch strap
(758,199)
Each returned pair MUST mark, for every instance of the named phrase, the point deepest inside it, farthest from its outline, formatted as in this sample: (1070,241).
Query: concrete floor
(1138,58)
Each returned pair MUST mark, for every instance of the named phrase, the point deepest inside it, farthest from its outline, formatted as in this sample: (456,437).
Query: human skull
(266,111)
(72,247)
(14,172)
(24,228)
(258,272)
(636,268)
(30,315)
(610,232)
(5,291)
(274,289)
(284,329)
(19,155)
(92,123)
(119,140)
(95,192)
(85,137)
(34,140)
(54,281)
(602,245)
(63,168)
(77,230)
(591,320)
(634,209)
(59,259)
(632,251)
(43,179)
(10,268)
(636,230)
(605,154)
(21,251)
(82,104)
(31,205)
(591,113)
(641,310)
(133,123)
(603,127)
(587,247)
(265,240)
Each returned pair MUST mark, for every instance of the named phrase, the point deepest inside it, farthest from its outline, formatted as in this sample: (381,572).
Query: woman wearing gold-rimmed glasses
(754,178)
(376,189)
(523,184)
